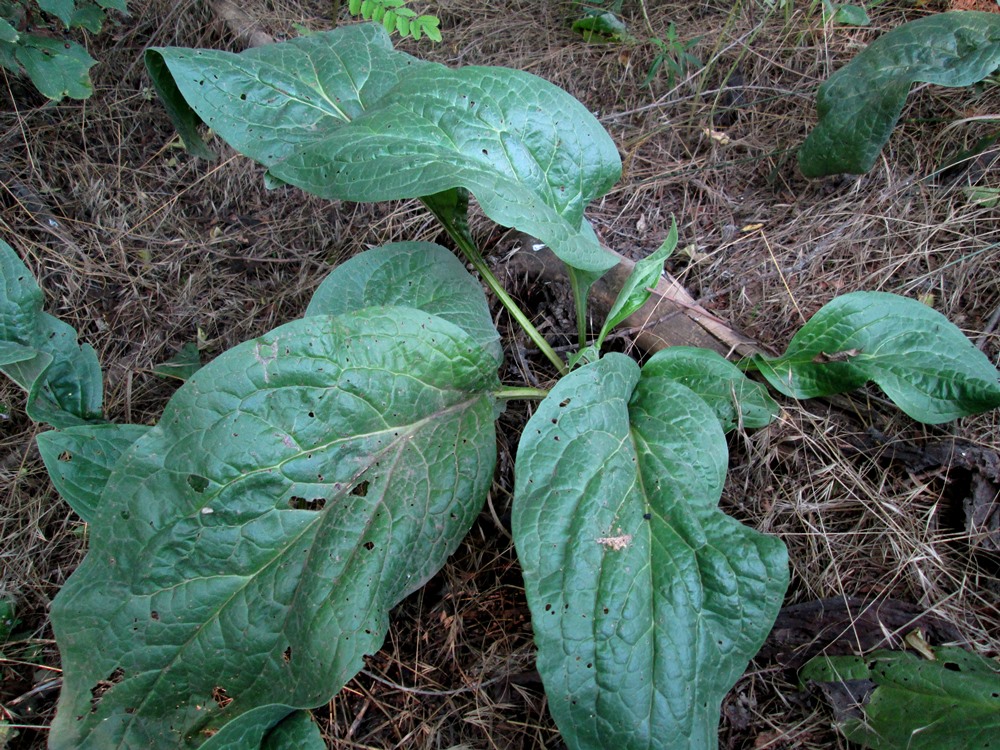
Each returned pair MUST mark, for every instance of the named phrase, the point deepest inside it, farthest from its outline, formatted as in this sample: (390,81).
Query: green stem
(512,392)
(472,254)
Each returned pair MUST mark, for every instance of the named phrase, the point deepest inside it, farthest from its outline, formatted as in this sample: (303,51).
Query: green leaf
(735,399)
(923,362)
(297,731)
(533,156)
(80,460)
(41,354)
(911,703)
(247,549)
(602,27)
(119,5)
(635,291)
(268,101)
(647,602)
(851,15)
(182,365)
(421,275)
(57,67)
(61,9)
(860,104)
(88,16)
(7,32)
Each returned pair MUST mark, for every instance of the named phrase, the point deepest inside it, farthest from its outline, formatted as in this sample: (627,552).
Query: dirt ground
(143,249)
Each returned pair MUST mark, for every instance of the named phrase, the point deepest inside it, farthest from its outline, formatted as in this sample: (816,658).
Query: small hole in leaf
(65,456)
(952,666)
(221,697)
(287,655)
(564,402)
(197,482)
(154,615)
(369,545)
(361,490)
(301,503)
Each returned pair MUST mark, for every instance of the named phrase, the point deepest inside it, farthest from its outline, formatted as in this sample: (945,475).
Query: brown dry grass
(154,249)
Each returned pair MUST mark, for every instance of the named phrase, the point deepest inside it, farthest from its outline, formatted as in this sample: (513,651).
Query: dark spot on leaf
(361,489)
(103,686)
(369,545)
(287,655)
(154,615)
(197,482)
(564,402)
(301,503)
(65,456)
(221,697)
(951,666)
(647,516)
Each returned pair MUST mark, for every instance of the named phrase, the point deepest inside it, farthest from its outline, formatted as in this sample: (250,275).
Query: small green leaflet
(921,360)
(896,700)
(860,104)
(635,292)
(245,552)
(185,363)
(532,155)
(41,354)
(80,460)
(635,579)
(410,274)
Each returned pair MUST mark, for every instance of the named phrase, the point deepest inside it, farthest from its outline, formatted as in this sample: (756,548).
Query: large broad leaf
(342,115)
(922,361)
(246,550)
(896,700)
(410,274)
(647,601)
(859,105)
(80,460)
(41,354)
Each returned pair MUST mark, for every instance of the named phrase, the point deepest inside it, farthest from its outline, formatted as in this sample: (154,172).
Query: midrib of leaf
(397,443)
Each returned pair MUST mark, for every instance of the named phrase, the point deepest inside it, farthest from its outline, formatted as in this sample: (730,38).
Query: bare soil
(143,249)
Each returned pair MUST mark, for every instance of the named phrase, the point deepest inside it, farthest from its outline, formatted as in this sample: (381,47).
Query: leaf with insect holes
(246,550)
(411,274)
(80,460)
(860,104)
(41,354)
(58,68)
(647,602)
(533,156)
(922,361)
(896,700)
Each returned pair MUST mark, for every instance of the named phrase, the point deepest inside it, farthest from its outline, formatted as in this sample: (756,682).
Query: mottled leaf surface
(646,600)
(911,703)
(859,105)
(342,115)
(922,361)
(247,549)
(41,354)
(80,460)
(410,274)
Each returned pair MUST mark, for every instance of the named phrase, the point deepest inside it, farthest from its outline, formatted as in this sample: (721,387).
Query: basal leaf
(922,361)
(246,550)
(185,363)
(647,601)
(410,274)
(7,32)
(58,67)
(900,701)
(860,104)
(735,399)
(41,354)
(532,155)
(80,460)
